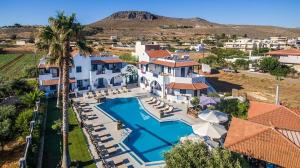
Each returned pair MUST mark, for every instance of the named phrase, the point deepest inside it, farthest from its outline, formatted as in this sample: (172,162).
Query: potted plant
(119,125)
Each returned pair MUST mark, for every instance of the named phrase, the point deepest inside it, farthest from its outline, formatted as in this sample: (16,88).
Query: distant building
(271,133)
(113,37)
(297,42)
(243,44)
(275,43)
(21,42)
(198,47)
(289,57)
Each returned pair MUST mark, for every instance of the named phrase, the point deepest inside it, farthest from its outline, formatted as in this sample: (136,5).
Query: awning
(107,61)
(187,86)
(54,82)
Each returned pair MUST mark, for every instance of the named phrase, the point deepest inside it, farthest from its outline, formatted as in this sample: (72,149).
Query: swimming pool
(149,138)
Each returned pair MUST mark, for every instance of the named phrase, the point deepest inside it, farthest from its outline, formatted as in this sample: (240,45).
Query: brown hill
(141,23)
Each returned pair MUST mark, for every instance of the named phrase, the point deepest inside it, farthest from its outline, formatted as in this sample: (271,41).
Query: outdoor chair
(169,110)
(163,104)
(153,101)
(157,103)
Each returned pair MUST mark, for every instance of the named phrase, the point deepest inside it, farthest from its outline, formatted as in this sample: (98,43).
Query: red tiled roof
(54,82)
(158,53)
(143,62)
(175,64)
(291,51)
(274,115)
(263,142)
(48,66)
(107,61)
(188,86)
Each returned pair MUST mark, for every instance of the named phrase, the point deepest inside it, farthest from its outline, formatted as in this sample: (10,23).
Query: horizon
(259,13)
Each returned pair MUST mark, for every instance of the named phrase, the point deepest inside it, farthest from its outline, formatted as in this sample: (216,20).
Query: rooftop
(291,51)
(192,86)
(271,133)
(158,53)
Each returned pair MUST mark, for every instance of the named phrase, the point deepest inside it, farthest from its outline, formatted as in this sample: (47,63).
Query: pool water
(149,138)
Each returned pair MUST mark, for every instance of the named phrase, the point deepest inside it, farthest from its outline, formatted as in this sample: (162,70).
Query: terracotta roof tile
(54,82)
(158,53)
(291,51)
(258,108)
(262,142)
(48,66)
(175,64)
(188,86)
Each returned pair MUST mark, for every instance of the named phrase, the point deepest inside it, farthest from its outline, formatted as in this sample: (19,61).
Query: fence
(22,161)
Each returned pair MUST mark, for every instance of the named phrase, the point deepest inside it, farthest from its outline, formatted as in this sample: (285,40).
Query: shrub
(23,122)
(56,126)
(192,155)
(30,72)
(234,108)
(242,64)
(195,101)
(29,99)
(268,64)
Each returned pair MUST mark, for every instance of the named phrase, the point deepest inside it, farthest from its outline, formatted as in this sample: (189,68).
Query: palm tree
(30,98)
(67,28)
(49,42)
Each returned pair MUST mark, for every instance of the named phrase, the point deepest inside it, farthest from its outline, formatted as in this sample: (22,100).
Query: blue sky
(261,12)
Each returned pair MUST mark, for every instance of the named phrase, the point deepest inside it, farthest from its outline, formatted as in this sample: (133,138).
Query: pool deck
(106,128)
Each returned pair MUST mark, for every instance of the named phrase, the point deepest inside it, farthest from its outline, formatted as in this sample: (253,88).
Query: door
(100,83)
(183,72)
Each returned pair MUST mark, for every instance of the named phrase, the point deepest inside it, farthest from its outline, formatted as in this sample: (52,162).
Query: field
(260,87)
(6,58)
(15,69)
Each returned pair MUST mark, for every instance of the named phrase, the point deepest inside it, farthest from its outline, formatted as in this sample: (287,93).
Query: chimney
(277,95)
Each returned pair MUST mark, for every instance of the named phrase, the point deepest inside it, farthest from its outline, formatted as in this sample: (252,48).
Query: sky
(283,13)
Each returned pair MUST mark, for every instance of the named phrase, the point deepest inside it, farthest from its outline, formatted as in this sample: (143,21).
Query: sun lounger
(170,109)
(123,89)
(157,103)
(126,90)
(104,93)
(113,91)
(119,91)
(161,105)
(165,108)
(151,99)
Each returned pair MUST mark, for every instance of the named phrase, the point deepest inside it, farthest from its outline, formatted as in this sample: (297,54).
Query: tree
(242,64)
(128,71)
(31,98)
(280,71)
(234,108)
(197,155)
(67,29)
(268,64)
(7,114)
(23,122)
(195,101)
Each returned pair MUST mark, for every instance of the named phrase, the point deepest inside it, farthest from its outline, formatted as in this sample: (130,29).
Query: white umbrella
(211,130)
(213,116)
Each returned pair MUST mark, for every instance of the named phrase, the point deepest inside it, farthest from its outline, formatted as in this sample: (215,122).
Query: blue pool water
(149,138)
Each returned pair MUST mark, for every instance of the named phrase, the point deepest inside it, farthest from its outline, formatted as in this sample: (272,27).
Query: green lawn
(6,58)
(52,146)
(77,142)
(15,70)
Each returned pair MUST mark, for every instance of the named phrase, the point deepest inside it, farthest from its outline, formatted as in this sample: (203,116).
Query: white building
(20,42)
(275,43)
(87,73)
(198,47)
(243,44)
(289,57)
(169,76)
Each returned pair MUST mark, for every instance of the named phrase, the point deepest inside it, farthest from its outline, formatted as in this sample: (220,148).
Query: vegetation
(30,98)
(260,51)
(234,108)
(128,58)
(7,117)
(23,122)
(228,53)
(197,155)
(56,126)
(273,66)
(241,64)
(6,58)
(30,72)
(13,71)
(78,144)
(195,102)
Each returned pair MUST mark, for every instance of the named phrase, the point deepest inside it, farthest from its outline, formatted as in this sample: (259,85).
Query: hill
(142,23)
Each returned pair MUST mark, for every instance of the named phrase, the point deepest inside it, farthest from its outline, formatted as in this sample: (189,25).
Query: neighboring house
(198,47)
(87,73)
(289,57)
(169,76)
(20,42)
(271,134)
(243,44)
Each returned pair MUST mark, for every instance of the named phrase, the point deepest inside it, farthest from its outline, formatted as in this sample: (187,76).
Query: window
(169,69)
(70,70)
(78,69)
(53,87)
(79,83)
(195,93)
(94,67)
(182,91)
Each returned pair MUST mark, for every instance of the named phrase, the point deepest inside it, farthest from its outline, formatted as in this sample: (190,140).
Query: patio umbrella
(204,100)
(213,116)
(214,131)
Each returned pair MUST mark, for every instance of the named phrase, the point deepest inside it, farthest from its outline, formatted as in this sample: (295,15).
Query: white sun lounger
(157,103)
(151,99)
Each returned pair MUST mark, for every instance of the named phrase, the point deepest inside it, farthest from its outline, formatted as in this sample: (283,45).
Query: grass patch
(78,143)
(6,58)
(52,151)
(15,70)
